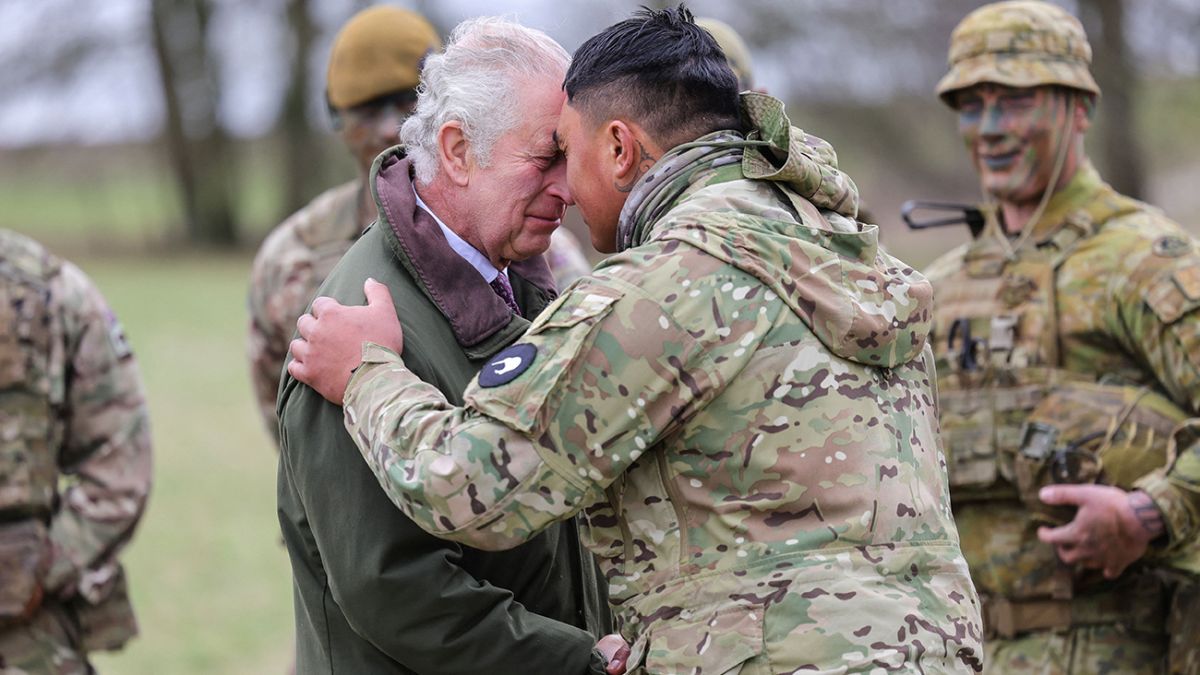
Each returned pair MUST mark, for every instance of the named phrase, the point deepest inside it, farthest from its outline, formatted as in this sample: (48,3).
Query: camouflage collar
(772,150)
(662,187)
(1084,188)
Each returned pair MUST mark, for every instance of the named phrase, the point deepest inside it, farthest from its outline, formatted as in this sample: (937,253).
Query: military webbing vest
(995,341)
(28,465)
(28,456)
(1012,418)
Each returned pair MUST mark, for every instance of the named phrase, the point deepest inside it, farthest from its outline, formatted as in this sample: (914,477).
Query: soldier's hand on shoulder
(332,335)
(1111,530)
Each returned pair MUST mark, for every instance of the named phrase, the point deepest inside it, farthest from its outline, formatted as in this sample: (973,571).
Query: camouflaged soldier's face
(373,127)
(1013,136)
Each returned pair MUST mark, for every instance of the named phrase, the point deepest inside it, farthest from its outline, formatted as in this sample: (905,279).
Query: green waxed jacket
(373,592)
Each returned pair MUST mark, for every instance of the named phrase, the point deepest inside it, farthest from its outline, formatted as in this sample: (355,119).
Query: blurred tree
(1121,146)
(301,155)
(199,148)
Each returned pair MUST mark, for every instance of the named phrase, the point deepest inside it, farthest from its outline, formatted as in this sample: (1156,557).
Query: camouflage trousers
(48,645)
(1080,650)
(1183,624)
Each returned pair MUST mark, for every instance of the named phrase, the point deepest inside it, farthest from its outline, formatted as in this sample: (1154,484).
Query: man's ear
(1085,110)
(625,152)
(454,153)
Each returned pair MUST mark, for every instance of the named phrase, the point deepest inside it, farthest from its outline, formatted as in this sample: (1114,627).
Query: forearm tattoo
(1147,513)
(644,162)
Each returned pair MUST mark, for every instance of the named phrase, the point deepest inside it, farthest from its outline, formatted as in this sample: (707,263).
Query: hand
(331,337)
(615,651)
(1111,530)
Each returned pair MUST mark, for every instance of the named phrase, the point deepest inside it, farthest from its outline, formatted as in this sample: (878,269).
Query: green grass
(209,578)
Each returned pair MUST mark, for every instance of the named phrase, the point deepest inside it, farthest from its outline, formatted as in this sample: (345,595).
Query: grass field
(209,578)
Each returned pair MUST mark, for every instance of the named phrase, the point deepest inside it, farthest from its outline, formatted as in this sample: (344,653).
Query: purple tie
(504,290)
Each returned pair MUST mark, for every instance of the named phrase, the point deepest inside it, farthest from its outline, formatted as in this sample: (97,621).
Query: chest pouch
(1086,433)
(994,336)
(23,564)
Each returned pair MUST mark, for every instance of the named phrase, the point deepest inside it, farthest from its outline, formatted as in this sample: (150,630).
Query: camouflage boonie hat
(1021,43)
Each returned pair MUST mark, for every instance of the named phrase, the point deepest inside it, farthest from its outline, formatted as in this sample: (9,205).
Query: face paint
(1013,135)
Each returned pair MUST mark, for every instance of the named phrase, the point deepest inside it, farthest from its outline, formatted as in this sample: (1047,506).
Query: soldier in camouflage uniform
(1067,339)
(734,47)
(374,69)
(74,465)
(740,401)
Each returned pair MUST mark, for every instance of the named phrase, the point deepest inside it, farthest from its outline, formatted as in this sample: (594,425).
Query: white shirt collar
(468,252)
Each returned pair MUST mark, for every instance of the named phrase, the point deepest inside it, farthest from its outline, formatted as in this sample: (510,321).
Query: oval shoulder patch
(507,365)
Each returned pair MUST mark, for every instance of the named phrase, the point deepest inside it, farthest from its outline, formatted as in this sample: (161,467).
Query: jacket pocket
(728,641)
(23,564)
(558,334)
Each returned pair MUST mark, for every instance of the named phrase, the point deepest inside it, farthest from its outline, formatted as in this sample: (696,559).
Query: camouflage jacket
(741,403)
(293,261)
(76,451)
(1127,291)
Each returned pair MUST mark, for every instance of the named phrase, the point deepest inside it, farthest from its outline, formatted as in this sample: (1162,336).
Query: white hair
(475,81)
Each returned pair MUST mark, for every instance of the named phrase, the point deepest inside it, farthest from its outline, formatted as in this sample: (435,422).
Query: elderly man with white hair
(465,208)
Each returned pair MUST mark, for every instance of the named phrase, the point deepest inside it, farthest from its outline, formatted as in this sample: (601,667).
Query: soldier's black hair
(660,70)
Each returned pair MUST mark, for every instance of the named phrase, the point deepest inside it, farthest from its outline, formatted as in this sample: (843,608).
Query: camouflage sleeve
(1159,317)
(274,302)
(551,421)
(105,454)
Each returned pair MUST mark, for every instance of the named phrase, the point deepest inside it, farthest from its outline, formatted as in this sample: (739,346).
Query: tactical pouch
(106,619)
(1043,460)
(23,564)
(1084,433)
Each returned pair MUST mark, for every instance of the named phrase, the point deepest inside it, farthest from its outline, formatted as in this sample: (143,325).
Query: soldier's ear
(623,150)
(454,152)
(1085,109)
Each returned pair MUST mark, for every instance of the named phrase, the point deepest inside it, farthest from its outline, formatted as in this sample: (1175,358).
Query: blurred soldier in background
(1068,345)
(74,465)
(374,69)
(736,52)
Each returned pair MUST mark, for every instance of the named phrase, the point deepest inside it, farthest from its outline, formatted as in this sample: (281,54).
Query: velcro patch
(507,365)
(1188,280)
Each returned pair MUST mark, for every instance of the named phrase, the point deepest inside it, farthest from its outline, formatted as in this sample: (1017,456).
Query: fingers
(322,304)
(1066,535)
(377,293)
(616,665)
(1064,494)
(299,349)
(615,651)
(305,325)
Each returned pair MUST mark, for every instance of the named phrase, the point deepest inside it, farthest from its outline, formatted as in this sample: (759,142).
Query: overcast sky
(113,95)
